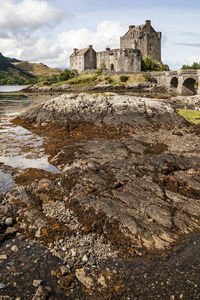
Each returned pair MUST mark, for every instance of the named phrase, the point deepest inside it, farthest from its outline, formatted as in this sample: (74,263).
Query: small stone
(9,221)
(37,283)
(85,259)
(73,252)
(3,257)
(14,248)
(10,230)
(64,270)
(41,293)
(91,261)
(38,233)
(85,280)
(101,281)
(2,286)
(70,263)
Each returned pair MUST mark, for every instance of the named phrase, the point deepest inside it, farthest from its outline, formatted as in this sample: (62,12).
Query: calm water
(19,147)
(11,88)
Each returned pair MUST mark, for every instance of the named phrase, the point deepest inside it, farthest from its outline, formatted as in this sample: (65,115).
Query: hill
(37,69)
(11,74)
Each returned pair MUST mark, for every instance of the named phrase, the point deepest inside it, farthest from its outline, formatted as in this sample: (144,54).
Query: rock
(9,221)
(41,293)
(37,282)
(101,281)
(109,110)
(14,248)
(85,259)
(73,252)
(11,230)
(2,286)
(85,280)
(64,270)
(3,257)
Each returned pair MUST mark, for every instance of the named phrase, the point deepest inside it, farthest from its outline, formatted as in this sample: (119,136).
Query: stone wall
(90,59)
(128,60)
(77,62)
(143,38)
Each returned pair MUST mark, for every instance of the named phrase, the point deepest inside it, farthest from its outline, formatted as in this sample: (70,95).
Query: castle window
(150,47)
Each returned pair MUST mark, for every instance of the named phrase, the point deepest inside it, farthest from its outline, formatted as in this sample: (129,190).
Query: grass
(192,116)
(89,79)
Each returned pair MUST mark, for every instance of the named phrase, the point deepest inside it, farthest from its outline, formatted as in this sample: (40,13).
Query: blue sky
(53,28)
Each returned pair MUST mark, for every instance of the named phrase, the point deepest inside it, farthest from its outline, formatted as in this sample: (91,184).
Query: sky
(46,31)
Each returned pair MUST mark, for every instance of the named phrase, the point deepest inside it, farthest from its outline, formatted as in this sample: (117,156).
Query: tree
(148,64)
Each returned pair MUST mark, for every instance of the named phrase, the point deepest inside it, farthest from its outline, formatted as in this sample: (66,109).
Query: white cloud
(55,53)
(27,15)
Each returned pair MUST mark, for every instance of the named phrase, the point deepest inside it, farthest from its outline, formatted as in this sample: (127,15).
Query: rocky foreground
(128,193)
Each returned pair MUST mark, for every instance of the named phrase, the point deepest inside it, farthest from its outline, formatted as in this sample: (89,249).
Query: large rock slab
(114,110)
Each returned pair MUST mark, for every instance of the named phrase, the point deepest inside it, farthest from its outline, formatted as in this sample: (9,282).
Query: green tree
(148,64)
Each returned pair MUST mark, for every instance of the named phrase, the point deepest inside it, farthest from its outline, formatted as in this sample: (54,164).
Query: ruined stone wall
(117,60)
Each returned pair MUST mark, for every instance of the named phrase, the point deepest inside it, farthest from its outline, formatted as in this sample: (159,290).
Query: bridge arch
(174,82)
(190,86)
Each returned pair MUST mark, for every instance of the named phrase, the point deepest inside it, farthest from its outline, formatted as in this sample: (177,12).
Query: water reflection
(19,147)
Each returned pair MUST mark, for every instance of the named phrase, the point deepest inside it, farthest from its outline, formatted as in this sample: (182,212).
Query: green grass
(192,116)
(83,79)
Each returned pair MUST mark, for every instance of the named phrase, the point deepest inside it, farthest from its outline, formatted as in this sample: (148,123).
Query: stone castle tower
(139,42)
(143,38)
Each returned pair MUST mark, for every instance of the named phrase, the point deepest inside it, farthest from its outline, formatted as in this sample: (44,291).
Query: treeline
(194,66)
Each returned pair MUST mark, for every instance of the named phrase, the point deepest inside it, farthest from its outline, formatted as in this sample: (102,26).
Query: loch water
(19,148)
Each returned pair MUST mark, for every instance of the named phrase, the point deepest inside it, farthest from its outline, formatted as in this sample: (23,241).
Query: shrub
(124,78)
(109,80)
(148,64)
(68,74)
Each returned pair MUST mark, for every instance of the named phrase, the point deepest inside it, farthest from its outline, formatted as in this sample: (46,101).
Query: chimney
(75,50)
(159,34)
(90,46)
(131,27)
(148,23)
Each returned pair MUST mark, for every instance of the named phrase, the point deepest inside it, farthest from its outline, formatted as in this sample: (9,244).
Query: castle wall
(90,59)
(143,38)
(77,63)
(127,60)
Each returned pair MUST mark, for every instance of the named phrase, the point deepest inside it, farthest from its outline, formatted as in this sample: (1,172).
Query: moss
(192,116)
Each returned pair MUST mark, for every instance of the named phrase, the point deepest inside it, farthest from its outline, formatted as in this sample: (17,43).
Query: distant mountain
(13,60)
(37,69)
(4,63)
(14,71)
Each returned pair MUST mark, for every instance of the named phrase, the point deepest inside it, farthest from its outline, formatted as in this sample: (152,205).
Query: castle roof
(136,28)
(80,52)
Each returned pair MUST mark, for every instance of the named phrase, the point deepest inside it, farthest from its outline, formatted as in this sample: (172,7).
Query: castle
(139,42)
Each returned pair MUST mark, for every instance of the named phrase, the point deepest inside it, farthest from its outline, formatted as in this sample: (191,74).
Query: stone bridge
(183,82)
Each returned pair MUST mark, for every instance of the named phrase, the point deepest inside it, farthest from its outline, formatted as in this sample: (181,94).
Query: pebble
(3,257)
(9,221)
(10,230)
(85,259)
(64,270)
(2,286)
(14,248)
(37,283)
